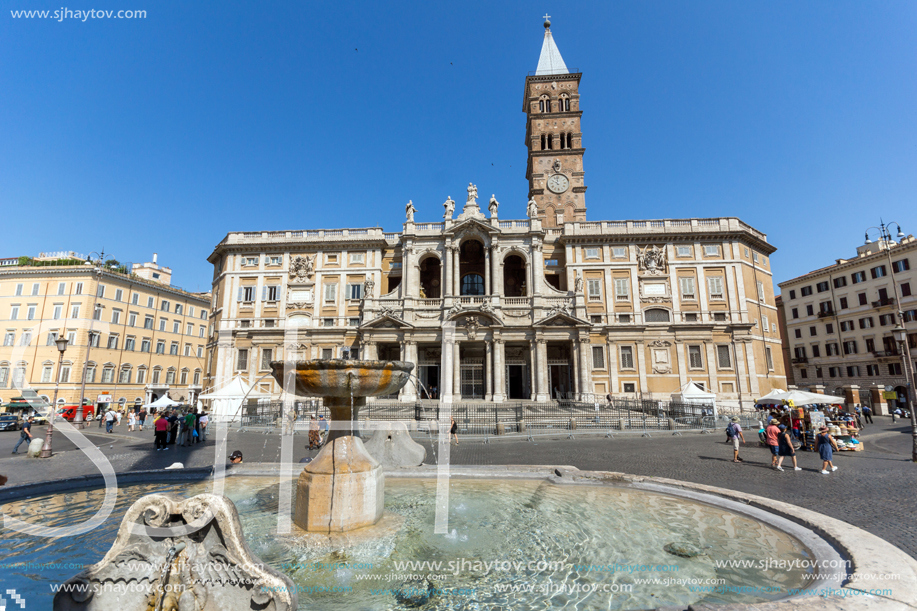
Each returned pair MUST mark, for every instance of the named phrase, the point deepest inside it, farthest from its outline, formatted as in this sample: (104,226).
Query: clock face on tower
(558,183)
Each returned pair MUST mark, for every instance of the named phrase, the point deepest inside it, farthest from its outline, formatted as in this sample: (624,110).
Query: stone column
(456,371)
(447,271)
(713,369)
(681,360)
(488,370)
(499,370)
(585,365)
(641,366)
(537,265)
(407,277)
(447,365)
(543,392)
(487,271)
(370,350)
(456,271)
(533,370)
(410,355)
(496,281)
(752,367)
(612,365)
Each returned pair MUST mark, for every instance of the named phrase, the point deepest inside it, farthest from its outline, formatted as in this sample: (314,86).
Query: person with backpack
(867,414)
(733,435)
(109,420)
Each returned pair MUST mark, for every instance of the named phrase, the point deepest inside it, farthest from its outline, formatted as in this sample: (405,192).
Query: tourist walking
(322,428)
(131,420)
(771,433)
(826,448)
(453,430)
(315,439)
(25,435)
(141,417)
(867,414)
(161,430)
(733,436)
(109,420)
(188,422)
(173,427)
(205,420)
(785,447)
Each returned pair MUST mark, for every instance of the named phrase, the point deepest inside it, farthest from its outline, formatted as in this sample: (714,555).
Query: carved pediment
(386,321)
(561,319)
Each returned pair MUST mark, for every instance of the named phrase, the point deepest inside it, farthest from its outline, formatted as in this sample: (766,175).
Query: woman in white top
(131,420)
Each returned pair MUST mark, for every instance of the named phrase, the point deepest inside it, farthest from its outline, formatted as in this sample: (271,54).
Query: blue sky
(165,133)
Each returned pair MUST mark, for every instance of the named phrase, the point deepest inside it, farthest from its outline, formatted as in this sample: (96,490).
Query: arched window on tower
(567,104)
(563,140)
(569,141)
(550,142)
(544,142)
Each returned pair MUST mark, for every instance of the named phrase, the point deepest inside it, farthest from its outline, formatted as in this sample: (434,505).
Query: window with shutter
(622,289)
(627,357)
(695,357)
(595,289)
(598,357)
(687,287)
(331,292)
(715,285)
(722,356)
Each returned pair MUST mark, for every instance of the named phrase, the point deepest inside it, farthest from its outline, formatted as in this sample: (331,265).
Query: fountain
(343,488)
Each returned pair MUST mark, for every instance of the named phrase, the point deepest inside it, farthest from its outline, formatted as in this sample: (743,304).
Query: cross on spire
(547,17)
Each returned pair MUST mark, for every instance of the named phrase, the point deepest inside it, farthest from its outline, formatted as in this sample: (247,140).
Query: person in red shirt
(161,427)
(771,435)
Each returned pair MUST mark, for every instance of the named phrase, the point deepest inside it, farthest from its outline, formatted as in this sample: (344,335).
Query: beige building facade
(147,338)
(534,305)
(839,321)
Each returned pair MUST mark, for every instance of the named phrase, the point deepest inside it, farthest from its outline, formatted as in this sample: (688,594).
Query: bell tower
(553,137)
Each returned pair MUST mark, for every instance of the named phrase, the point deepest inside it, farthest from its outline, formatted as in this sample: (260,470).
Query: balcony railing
(825,313)
(883,302)
(800,360)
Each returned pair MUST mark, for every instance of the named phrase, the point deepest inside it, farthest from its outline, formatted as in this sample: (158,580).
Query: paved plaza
(873,489)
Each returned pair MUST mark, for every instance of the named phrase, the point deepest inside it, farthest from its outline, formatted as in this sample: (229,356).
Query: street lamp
(900,335)
(46,448)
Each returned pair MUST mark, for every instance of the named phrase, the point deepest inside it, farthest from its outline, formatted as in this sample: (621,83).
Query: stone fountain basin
(343,378)
(826,537)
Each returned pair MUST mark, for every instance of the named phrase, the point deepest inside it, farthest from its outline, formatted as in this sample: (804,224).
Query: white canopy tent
(799,397)
(225,402)
(694,394)
(163,402)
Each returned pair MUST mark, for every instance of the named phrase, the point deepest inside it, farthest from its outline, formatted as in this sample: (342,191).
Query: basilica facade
(543,307)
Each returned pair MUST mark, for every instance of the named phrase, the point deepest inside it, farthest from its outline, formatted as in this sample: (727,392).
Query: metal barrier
(509,420)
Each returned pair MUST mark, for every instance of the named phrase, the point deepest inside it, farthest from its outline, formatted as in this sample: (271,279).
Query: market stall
(695,395)
(805,412)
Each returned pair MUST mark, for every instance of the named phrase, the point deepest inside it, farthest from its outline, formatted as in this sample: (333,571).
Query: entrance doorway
(559,381)
(516,381)
(429,377)
(473,381)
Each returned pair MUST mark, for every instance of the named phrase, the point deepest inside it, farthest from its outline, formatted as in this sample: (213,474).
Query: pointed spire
(550,61)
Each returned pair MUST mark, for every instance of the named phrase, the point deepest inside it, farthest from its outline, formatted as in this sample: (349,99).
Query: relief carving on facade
(302,268)
(471,326)
(390,311)
(661,362)
(652,260)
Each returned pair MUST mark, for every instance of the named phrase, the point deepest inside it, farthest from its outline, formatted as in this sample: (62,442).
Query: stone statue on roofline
(493,205)
(532,208)
(409,211)
(449,205)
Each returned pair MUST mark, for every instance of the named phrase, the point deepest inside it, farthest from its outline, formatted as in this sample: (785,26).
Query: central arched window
(656,315)
(473,284)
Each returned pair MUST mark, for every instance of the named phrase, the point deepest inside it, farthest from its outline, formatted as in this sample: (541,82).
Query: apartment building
(839,321)
(144,338)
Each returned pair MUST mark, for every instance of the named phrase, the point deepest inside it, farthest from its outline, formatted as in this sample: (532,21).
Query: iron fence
(481,418)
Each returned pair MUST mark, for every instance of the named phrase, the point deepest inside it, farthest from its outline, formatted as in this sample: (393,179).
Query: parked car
(10,422)
(39,419)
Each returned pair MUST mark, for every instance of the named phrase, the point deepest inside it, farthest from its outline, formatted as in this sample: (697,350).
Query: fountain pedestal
(343,488)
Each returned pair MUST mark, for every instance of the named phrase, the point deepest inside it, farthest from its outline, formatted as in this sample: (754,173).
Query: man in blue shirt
(25,435)
(323,427)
